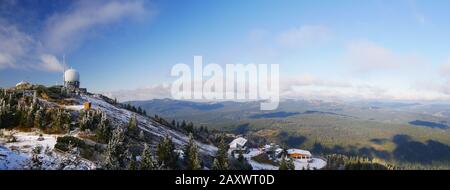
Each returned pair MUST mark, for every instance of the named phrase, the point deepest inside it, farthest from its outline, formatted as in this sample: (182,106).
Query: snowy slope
(10,160)
(122,116)
(17,155)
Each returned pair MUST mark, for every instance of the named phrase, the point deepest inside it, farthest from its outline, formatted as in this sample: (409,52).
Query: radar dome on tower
(71,75)
(71,79)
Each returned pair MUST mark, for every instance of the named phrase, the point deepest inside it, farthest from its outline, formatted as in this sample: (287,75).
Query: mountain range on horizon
(370,129)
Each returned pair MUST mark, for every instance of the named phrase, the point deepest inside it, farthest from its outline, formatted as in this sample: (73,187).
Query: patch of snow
(11,160)
(26,141)
(74,107)
(316,163)
(253,152)
(260,166)
(17,155)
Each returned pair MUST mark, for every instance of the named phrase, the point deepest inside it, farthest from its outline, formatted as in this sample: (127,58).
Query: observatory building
(72,81)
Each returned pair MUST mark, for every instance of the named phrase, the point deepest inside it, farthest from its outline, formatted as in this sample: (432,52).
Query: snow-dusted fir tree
(191,155)
(37,123)
(116,151)
(36,159)
(286,163)
(167,157)
(132,164)
(103,131)
(221,159)
(146,159)
(133,126)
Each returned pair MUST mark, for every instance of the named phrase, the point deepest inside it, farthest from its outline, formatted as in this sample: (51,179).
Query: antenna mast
(64,69)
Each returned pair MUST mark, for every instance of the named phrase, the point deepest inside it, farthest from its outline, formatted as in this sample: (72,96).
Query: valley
(412,135)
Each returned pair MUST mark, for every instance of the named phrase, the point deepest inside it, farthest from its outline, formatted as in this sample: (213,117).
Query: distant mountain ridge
(353,128)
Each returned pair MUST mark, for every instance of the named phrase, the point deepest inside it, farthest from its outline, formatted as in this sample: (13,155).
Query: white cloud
(445,69)
(51,63)
(308,86)
(304,36)
(446,88)
(68,29)
(14,45)
(19,50)
(312,87)
(367,56)
(288,83)
(147,93)
(62,31)
(6,60)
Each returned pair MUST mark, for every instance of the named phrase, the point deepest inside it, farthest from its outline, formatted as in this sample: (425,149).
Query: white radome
(71,75)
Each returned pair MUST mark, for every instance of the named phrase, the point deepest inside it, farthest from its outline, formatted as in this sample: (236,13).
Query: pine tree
(240,163)
(191,154)
(116,151)
(103,130)
(167,156)
(146,159)
(283,164)
(36,160)
(30,119)
(37,123)
(290,164)
(132,164)
(221,159)
(190,127)
(133,126)
(215,164)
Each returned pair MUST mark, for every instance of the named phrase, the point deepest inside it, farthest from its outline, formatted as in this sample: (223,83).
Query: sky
(347,49)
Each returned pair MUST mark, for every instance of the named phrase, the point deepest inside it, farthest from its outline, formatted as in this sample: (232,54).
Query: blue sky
(372,49)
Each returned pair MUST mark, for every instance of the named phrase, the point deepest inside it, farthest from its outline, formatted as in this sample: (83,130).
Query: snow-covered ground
(253,152)
(261,166)
(17,155)
(122,116)
(316,163)
(74,107)
(10,160)
(26,141)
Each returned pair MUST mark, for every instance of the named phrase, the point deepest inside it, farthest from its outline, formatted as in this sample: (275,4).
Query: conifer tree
(191,154)
(116,151)
(167,157)
(103,130)
(36,160)
(30,119)
(146,159)
(283,164)
(221,159)
(132,164)
(133,126)
(290,164)
(37,123)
